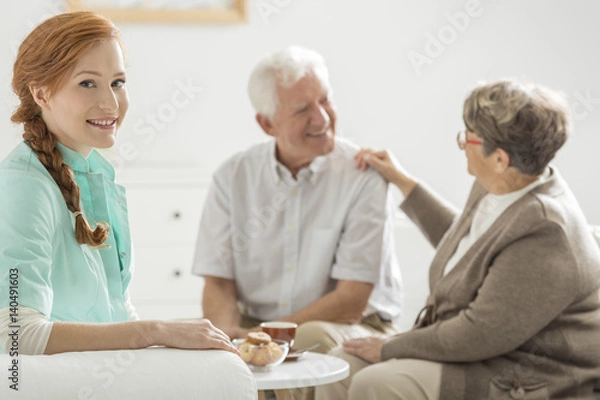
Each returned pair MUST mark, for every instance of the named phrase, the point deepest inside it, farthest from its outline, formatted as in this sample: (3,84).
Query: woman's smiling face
(86,111)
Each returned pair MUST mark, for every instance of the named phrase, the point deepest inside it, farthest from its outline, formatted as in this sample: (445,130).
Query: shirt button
(292,229)
(123,254)
(285,304)
(290,267)
(294,192)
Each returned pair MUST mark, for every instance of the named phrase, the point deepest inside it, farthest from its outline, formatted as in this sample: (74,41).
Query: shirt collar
(275,165)
(94,163)
(310,173)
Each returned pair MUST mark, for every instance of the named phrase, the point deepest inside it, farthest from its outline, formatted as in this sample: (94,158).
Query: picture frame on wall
(170,11)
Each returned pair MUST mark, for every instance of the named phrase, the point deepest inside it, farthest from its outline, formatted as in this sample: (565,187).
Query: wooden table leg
(284,394)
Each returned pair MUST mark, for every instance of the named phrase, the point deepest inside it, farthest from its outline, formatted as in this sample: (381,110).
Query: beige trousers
(405,379)
(328,335)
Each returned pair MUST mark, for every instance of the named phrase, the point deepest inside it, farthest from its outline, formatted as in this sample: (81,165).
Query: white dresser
(164,213)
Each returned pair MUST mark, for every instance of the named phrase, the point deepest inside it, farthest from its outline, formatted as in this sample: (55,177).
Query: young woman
(65,249)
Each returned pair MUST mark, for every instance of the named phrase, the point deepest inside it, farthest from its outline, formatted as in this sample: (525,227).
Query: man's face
(304,124)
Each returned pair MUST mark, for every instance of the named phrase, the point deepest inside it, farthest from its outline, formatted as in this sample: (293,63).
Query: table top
(312,369)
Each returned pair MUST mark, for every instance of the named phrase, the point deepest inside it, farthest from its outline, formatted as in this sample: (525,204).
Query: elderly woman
(514,308)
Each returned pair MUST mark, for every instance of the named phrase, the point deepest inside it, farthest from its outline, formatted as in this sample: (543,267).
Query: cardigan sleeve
(431,213)
(529,283)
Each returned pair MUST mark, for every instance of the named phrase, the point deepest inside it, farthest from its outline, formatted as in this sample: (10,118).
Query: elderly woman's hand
(387,165)
(369,348)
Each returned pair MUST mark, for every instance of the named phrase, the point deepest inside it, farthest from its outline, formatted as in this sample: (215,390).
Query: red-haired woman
(65,250)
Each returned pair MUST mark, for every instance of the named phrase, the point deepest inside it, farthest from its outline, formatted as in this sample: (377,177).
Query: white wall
(383,100)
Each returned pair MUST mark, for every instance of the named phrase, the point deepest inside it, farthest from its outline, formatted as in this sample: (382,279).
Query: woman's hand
(369,348)
(387,165)
(193,334)
(237,332)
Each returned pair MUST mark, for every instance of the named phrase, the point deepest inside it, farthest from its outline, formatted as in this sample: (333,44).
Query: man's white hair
(285,67)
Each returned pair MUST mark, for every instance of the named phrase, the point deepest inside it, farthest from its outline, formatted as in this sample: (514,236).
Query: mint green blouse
(55,275)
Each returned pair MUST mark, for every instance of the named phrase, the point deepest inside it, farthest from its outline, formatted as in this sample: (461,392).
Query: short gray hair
(528,121)
(285,67)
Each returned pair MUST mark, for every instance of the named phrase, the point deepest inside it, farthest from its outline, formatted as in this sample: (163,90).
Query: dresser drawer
(165,215)
(163,275)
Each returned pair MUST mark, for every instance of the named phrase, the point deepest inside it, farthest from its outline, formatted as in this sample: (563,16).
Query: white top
(489,209)
(312,369)
(285,242)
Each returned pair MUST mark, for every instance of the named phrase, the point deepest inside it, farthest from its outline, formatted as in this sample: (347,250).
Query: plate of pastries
(260,352)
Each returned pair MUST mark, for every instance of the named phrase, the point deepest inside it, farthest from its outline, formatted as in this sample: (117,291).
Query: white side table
(313,369)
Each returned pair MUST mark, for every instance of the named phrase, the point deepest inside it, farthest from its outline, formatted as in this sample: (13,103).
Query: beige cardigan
(521,310)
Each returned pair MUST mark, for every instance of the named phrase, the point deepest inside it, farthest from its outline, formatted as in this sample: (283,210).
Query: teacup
(280,330)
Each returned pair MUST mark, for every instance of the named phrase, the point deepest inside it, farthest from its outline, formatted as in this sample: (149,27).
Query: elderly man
(291,229)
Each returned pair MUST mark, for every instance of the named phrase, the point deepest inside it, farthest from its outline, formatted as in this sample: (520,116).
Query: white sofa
(149,374)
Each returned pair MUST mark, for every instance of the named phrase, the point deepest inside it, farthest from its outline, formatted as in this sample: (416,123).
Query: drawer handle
(177,273)
(176,215)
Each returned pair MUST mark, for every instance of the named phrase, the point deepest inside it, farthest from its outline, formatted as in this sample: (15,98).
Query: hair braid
(43,143)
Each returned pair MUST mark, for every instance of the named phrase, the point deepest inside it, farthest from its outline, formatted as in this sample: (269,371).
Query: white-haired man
(291,229)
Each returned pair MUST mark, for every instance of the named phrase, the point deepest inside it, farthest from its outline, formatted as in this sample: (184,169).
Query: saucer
(294,355)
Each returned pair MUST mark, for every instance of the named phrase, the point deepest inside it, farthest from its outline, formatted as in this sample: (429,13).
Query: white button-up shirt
(287,241)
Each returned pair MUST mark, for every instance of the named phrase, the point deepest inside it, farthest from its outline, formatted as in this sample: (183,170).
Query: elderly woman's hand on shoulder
(388,166)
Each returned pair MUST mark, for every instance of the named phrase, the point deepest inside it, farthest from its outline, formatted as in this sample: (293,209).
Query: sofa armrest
(153,373)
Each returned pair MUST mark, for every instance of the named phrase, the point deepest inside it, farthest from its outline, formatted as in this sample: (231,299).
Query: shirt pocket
(502,389)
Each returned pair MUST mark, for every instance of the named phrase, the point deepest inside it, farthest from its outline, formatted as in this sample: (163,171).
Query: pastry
(263,356)
(258,349)
(276,349)
(258,338)
(247,351)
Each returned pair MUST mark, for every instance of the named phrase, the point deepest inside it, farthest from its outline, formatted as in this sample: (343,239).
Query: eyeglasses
(462,140)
